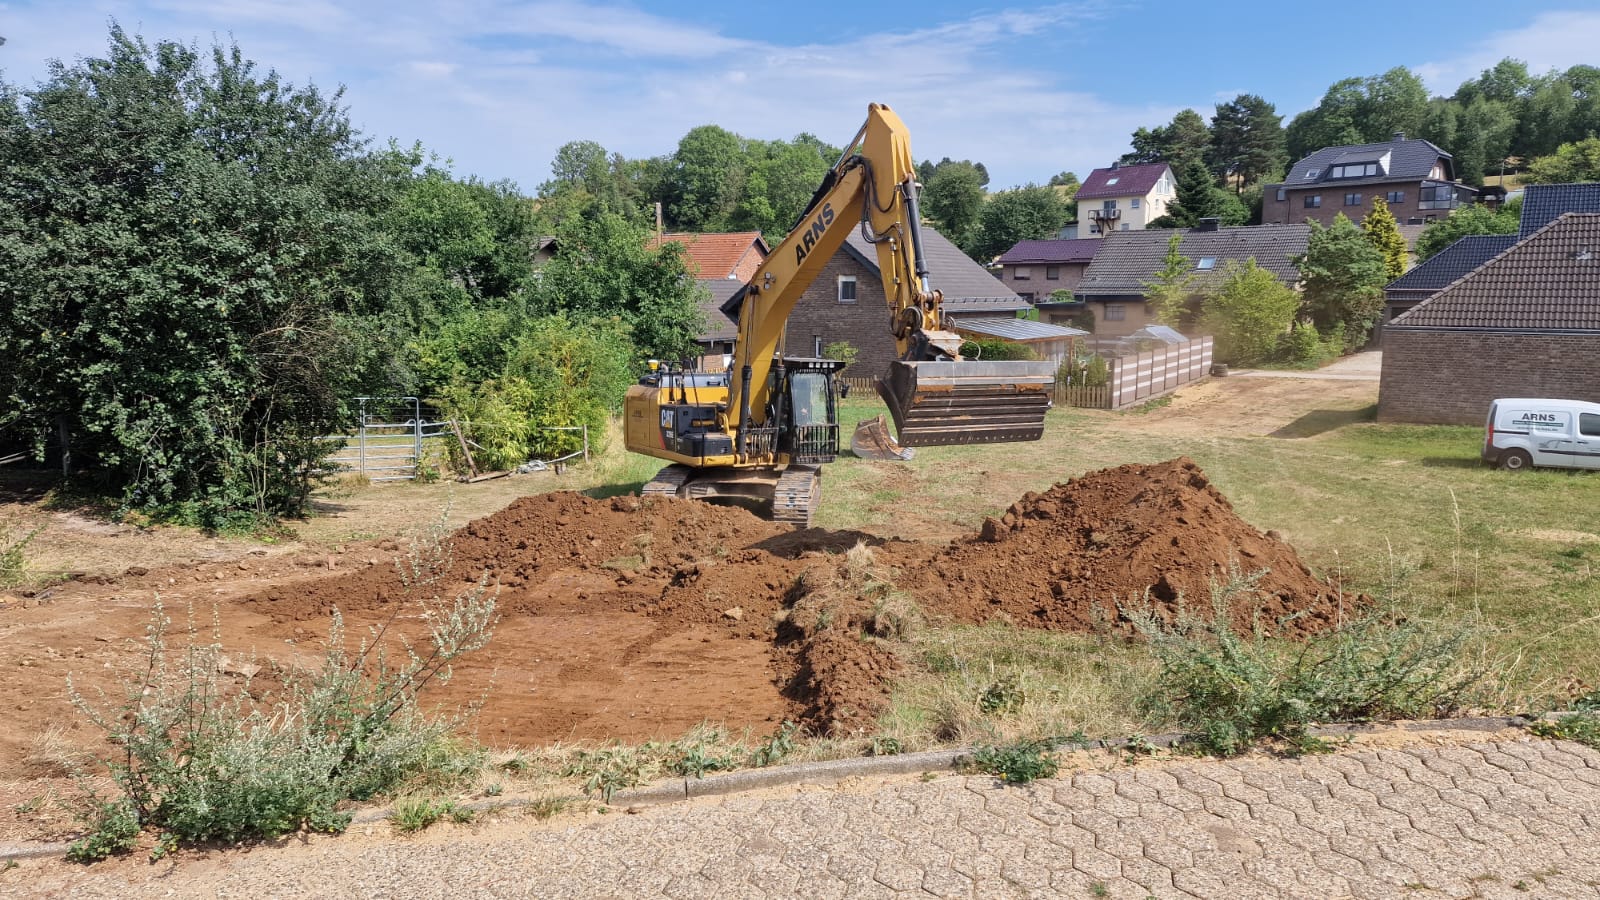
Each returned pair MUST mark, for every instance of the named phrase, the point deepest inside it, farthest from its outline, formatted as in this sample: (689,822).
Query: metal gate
(389,441)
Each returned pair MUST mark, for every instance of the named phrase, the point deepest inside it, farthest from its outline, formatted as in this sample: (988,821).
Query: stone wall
(1449,377)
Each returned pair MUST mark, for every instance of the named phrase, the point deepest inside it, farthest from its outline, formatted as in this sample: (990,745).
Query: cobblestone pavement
(1503,818)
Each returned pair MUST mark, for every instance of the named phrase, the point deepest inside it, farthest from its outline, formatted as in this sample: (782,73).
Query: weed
(1232,691)
(13,555)
(885,746)
(1099,889)
(114,828)
(416,814)
(547,807)
(203,759)
(1017,763)
(517,763)
(493,790)
(1004,695)
(781,744)
(610,769)
(1582,726)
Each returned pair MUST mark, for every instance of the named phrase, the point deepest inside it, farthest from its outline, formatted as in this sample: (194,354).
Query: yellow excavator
(761,430)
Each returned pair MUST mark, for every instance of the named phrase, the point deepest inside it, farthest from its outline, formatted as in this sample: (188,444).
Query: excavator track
(668,482)
(796,495)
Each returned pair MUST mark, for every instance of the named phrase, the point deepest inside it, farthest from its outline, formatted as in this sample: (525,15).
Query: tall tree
(1343,275)
(193,274)
(706,179)
(1184,138)
(1249,312)
(1030,212)
(1395,101)
(1333,122)
(1247,142)
(953,199)
(1384,233)
(1200,198)
(1484,139)
(783,177)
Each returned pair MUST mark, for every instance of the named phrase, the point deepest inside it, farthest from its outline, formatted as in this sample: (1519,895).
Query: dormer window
(1206,262)
(1358,170)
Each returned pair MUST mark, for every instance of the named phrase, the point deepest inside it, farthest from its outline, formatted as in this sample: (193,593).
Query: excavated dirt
(1146,538)
(667,612)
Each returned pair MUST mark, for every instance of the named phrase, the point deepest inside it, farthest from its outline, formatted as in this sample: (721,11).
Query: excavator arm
(935,396)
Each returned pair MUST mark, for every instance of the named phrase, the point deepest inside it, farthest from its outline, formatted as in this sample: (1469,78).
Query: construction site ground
(629,622)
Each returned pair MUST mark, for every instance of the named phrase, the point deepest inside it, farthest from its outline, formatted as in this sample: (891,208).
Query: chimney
(1115,165)
(1399,135)
(1209,223)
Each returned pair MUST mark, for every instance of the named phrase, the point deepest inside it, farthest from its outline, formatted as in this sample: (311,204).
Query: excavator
(761,430)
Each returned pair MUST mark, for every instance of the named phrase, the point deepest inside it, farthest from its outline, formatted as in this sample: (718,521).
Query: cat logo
(813,233)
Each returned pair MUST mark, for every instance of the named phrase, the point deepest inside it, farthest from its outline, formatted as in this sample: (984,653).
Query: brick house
(847,303)
(1415,177)
(722,264)
(1037,269)
(1541,205)
(1523,324)
(1113,286)
(1124,198)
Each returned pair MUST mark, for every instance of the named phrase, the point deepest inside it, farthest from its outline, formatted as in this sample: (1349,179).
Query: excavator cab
(810,431)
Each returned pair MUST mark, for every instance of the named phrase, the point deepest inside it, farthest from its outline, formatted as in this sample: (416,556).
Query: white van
(1557,433)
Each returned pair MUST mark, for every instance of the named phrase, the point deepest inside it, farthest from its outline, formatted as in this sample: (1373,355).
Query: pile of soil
(653,611)
(1155,538)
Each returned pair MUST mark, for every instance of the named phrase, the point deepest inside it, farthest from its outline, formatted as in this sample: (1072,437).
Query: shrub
(412,815)
(843,351)
(13,555)
(202,759)
(996,349)
(1248,312)
(1231,691)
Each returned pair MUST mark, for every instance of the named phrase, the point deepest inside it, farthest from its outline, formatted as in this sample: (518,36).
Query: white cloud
(1552,40)
(499,85)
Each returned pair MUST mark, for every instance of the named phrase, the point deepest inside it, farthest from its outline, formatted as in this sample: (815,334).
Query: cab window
(1589,424)
(809,391)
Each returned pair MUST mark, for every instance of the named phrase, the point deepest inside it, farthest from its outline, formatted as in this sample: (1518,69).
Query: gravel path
(1502,818)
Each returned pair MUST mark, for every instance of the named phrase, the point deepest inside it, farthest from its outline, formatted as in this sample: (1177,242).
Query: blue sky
(1028,89)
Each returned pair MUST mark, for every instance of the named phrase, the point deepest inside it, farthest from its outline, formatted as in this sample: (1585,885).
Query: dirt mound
(1067,558)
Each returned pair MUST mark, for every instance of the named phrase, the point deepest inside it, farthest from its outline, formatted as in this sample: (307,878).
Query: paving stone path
(1503,818)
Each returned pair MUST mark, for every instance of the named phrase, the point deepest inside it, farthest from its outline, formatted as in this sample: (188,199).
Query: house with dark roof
(1416,178)
(846,302)
(1542,204)
(1525,323)
(1124,198)
(1037,269)
(1113,287)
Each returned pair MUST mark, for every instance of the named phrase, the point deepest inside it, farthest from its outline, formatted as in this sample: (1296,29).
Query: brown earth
(635,619)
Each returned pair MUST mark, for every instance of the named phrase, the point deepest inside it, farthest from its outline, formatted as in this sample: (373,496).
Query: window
(1110,181)
(847,289)
(1589,424)
(1052,273)
(1116,312)
(1441,196)
(1109,204)
(1283,195)
(1026,295)
(1206,262)
(1021,273)
(1313,201)
(1352,199)
(1395,197)
(816,345)
(1134,203)
(1124,226)
(1311,174)
(1356,171)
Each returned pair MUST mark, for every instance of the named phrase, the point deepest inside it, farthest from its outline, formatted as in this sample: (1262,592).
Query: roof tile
(1079,250)
(1452,262)
(1122,181)
(1542,203)
(714,255)
(1131,258)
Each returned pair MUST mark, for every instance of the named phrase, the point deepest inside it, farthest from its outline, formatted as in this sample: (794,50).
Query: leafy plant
(13,555)
(1017,763)
(1582,726)
(115,827)
(782,743)
(417,814)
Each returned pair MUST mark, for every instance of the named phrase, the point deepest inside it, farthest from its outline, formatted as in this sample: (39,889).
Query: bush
(13,555)
(1017,763)
(1231,691)
(1249,312)
(202,759)
(996,349)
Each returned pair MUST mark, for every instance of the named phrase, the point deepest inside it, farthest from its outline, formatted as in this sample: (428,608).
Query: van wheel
(1515,460)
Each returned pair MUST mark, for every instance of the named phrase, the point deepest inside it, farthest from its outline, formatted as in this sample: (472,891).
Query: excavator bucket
(872,440)
(938,403)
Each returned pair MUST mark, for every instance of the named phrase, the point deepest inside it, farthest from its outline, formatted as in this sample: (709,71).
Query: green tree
(1170,289)
(1248,313)
(1334,122)
(1470,220)
(783,177)
(1030,212)
(1200,198)
(1384,233)
(1395,101)
(953,199)
(1483,138)
(706,179)
(1183,139)
(604,268)
(1247,142)
(1064,179)
(1578,161)
(1343,275)
(193,274)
